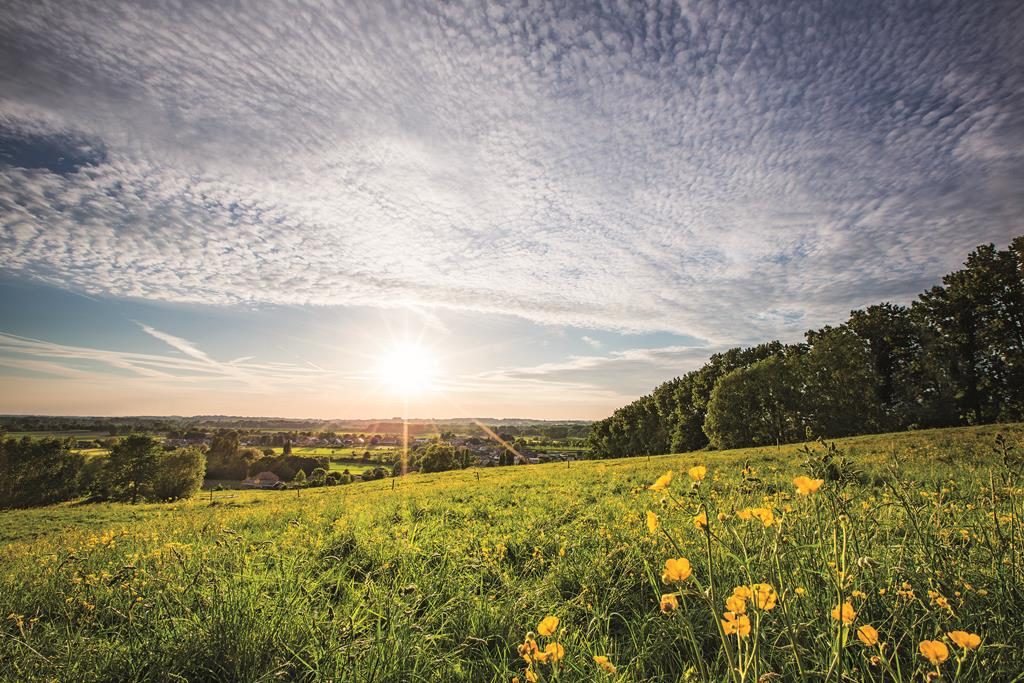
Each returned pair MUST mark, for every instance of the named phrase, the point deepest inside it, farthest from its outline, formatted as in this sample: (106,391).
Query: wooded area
(955,356)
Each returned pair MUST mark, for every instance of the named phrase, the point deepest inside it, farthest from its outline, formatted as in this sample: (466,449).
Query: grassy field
(448,577)
(68,434)
(340,452)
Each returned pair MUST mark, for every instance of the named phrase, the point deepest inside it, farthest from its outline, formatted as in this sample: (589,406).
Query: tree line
(139,468)
(955,356)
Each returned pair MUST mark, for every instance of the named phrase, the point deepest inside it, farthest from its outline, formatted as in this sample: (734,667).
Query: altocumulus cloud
(731,170)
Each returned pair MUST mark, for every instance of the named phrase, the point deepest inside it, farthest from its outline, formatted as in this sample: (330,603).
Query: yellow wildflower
(698,472)
(531,676)
(662,483)
(968,641)
(676,570)
(805,486)
(669,602)
(652,522)
(935,651)
(528,649)
(701,520)
(547,626)
(764,515)
(738,624)
(555,651)
(867,635)
(764,596)
(844,613)
(604,663)
(736,604)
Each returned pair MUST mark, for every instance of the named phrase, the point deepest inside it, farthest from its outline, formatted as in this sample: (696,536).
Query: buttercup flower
(738,624)
(736,604)
(844,613)
(676,570)
(669,602)
(935,651)
(555,651)
(547,626)
(698,472)
(701,520)
(764,515)
(867,635)
(763,596)
(604,663)
(662,482)
(528,649)
(805,486)
(652,522)
(968,641)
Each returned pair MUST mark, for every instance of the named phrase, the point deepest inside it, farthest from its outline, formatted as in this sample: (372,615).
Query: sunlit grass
(446,577)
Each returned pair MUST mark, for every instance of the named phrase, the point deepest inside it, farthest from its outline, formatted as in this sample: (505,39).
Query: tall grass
(443,577)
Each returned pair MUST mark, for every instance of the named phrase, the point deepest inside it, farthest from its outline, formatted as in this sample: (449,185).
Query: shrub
(178,474)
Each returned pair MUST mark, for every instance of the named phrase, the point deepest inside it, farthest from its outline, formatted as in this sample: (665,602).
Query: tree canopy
(954,356)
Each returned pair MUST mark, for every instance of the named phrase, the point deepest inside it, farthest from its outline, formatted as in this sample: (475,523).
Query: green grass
(354,467)
(91,452)
(440,577)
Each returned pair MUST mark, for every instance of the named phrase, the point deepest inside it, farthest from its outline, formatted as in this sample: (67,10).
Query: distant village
(486,450)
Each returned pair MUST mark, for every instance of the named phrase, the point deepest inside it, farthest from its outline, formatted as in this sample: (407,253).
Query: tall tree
(756,405)
(977,316)
(894,342)
(132,463)
(839,384)
(38,472)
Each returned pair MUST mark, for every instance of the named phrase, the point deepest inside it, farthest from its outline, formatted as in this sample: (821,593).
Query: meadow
(879,559)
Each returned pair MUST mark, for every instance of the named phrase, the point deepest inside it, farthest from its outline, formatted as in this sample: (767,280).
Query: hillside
(440,577)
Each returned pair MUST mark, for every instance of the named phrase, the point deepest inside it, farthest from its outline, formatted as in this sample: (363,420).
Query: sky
(246,208)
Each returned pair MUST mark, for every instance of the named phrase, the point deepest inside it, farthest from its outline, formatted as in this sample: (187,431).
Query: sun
(408,369)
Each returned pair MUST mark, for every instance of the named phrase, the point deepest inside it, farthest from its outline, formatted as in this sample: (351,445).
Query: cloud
(625,373)
(726,170)
(40,357)
(591,342)
(182,345)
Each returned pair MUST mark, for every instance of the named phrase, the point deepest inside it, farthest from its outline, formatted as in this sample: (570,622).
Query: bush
(179,474)
(318,477)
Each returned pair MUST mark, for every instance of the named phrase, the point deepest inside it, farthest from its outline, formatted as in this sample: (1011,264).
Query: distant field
(74,434)
(559,449)
(355,467)
(442,577)
(339,452)
(90,452)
